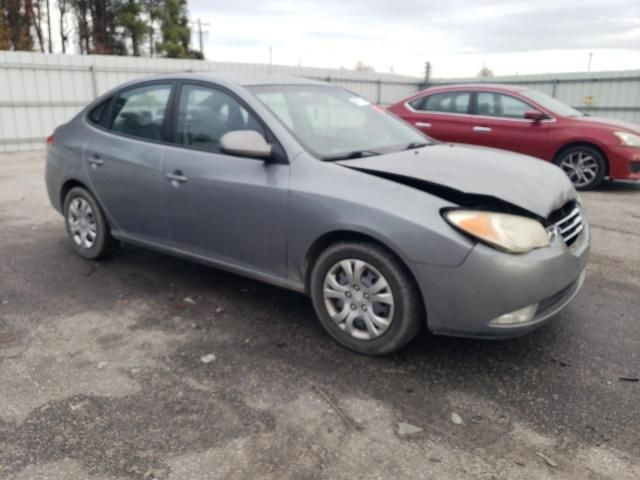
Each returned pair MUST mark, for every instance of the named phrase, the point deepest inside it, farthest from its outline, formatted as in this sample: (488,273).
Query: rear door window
(95,115)
(446,102)
(140,112)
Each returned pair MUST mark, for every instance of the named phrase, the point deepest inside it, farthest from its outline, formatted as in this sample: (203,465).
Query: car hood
(609,122)
(455,172)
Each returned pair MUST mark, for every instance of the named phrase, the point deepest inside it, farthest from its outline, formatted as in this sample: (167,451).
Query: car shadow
(609,186)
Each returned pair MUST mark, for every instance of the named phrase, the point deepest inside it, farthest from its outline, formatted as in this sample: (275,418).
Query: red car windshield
(551,104)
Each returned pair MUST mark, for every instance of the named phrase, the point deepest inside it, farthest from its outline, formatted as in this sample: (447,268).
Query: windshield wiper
(413,145)
(350,155)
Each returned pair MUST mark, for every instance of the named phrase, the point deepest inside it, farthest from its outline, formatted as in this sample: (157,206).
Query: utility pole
(270,57)
(427,74)
(590,58)
(199,24)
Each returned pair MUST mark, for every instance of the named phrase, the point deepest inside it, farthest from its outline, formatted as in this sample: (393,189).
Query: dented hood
(453,171)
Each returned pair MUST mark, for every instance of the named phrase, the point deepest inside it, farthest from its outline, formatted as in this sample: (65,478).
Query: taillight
(49,140)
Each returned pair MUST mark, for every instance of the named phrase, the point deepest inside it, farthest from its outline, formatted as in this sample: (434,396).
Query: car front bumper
(624,163)
(462,300)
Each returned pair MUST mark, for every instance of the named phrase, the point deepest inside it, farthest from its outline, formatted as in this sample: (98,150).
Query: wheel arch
(330,238)
(584,143)
(68,185)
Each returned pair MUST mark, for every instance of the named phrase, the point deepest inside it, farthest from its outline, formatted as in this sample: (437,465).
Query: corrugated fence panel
(40,91)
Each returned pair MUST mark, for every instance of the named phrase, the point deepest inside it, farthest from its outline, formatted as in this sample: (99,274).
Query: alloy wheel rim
(358,299)
(82,223)
(580,167)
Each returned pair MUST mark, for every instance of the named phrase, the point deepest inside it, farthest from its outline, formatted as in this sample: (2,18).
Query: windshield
(552,104)
(333,123)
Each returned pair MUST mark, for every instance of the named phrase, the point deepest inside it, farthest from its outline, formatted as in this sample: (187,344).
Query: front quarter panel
(327,197)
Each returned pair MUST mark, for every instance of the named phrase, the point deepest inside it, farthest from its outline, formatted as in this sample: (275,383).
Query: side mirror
(245,143)
(535,115)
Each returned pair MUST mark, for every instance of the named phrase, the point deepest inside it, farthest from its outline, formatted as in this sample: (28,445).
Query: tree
(128,15)
(111,27)
(63,9)
(5,41)
(176,34)
(49,37)
(80,10)
(485,72)
(15,24)
(36,15)
(102,26)
(362,67)
(153,10)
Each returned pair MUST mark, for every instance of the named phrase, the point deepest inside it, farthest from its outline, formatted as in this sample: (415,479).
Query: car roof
(243,79)
(479,86)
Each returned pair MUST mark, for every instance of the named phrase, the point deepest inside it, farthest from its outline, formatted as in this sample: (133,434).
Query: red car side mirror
(535,115)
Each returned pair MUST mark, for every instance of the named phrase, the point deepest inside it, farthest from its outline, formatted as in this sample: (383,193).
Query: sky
(458,37)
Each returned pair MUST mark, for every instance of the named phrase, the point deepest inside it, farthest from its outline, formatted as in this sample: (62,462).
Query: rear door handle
(95,160)
(481,129)
(423,125)
(176,177)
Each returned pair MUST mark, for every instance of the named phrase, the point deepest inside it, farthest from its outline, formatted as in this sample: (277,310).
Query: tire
(87,229)
(584,165)
(404,316)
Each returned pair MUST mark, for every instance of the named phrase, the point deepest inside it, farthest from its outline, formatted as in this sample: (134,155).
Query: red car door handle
(481,129)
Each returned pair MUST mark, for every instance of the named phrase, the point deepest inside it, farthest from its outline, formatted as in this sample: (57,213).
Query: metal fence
(608,94)
(40,91)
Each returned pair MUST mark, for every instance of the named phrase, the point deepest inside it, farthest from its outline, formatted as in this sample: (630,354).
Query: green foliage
(176,34)
(15,24)
(128,17)
(111,27)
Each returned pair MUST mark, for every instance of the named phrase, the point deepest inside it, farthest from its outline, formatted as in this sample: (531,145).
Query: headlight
(512,233)
(628,139)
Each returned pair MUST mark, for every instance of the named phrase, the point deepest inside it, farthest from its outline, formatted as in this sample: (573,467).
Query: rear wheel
(365,298)
(585,166)
(86,226)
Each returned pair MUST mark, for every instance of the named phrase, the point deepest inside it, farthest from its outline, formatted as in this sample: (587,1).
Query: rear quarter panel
(64,159)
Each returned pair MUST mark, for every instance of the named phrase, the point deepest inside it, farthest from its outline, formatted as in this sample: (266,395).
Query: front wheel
(584,165)
(365,298)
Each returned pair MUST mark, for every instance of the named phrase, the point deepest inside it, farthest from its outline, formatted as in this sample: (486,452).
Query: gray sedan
(310,187)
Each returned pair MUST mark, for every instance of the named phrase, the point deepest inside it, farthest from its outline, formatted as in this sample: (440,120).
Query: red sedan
(587,148)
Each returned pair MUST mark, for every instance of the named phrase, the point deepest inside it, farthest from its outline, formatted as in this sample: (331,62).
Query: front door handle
(176,177)
(95,160)
(423,125)
(481,129)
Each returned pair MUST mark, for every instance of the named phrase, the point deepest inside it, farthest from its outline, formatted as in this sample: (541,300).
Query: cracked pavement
(101,374)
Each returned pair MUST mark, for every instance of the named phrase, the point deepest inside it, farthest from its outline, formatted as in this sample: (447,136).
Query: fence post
(94,85)
(553,87)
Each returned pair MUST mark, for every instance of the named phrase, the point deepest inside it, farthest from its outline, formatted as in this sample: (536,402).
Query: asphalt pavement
(146,367)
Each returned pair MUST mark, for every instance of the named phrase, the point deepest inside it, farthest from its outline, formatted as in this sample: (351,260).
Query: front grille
(568,222)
